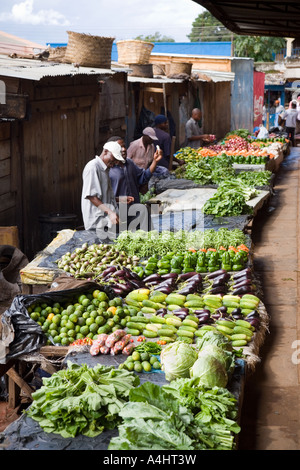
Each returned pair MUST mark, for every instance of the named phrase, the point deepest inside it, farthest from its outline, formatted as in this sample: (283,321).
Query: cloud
(23,13)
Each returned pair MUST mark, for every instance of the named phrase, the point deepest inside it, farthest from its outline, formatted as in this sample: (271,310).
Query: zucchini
(157,319)
(190,323)
(194,303)
(148,310)
(153,326)
(244,323)
(242,330)
(140,319)
(135,325)
(165,326)
(239,342)
(133,332)
(224,329)
(150,334)
(188,328)
(238,336)
(165,332)
(182,332)
(173,321)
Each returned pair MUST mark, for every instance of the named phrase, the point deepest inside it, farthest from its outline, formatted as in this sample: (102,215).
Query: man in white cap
(98,203)
(142,150)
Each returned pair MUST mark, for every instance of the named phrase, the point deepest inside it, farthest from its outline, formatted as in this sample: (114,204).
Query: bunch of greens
(244,133)
(179,416)
(144,244)
(82,400)
(230,199)
(207,170)
(148,195)
(255,178)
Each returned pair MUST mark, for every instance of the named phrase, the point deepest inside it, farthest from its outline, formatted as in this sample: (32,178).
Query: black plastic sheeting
(26,434)
(28,335)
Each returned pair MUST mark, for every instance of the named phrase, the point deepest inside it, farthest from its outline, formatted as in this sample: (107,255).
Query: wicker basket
(177,68)
(89,51)
(57,54)
(141,70)
(132,51)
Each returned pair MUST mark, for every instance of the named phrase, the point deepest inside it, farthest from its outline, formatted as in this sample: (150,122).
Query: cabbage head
(224,356)
(176,360)
(210,370)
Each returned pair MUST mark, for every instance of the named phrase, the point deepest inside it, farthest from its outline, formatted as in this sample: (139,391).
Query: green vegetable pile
(82,400)
(145,244)
(207,170)
(255,178)
(230,199)
(180,416)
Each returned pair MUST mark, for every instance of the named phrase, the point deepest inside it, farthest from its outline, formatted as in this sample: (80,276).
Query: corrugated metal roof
(32,69)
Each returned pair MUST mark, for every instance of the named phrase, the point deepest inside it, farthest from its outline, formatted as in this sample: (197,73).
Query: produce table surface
(26,434)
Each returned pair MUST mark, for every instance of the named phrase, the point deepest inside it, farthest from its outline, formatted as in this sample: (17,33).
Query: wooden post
(172,152)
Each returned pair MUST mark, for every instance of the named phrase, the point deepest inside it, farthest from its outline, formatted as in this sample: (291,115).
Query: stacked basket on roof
(85,50)
(136,54)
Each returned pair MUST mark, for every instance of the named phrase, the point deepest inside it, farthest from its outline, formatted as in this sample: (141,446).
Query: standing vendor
(98,202)
(127,178)
(193,132)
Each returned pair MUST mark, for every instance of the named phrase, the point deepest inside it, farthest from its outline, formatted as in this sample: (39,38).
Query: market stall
(165,313)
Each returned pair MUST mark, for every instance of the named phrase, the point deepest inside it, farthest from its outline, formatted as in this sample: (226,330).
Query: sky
(47,21)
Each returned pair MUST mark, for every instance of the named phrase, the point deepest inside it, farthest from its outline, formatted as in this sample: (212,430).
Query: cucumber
(135,325)
(133,332)
(194,303)
(157,319)
(104,329)
(242,330)
(140,319)
(187,328)
(182,332)
(165,332)
(172,307)
(148,310)
(224,329)
(243,323)
(173,321)
(153,326)
(150,334)
(190,323)
(169,327)
(238,336)
(150,304)
(239,342)
(192,317)
(227,323)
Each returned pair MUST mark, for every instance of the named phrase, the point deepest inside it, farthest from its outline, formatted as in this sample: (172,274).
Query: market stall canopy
(257,18)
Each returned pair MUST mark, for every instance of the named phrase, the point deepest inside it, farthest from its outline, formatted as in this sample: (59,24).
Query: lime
(152,359)
(146,366)
(44,305)
(81,298)
(85,302)
(84,330)
(56,310)
(63,322)
(102,296)
(63,334)
(81,321)
(156,365)
(93,328)
(70,309)
(35,316)
(90,335)
(73,318)
(93,313)
(96,302)
(79,336)
(52,326)
(129,359)
(56,305)
(65,341)
(136,356)
(89,321)
(96,293)
(85,315)
(138,366)
(56,319)
(49,309)
(71,333)
(145,356)
(53,333)
(77,328)
(70,325)
(57,339)
(45,327)
(130,365)
(89,296)
(103,304)
(38,309)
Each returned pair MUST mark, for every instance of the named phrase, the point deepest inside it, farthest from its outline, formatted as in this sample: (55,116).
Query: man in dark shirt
(161,127)
(127,178)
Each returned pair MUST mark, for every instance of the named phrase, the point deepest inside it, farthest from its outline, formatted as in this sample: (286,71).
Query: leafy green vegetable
(230,199)
(145,244)
(209,369)
(82,400)
(177,358)
(177,416)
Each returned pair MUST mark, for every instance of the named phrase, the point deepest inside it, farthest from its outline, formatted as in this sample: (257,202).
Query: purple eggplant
(243,282)
(163,290)
(253,314)
(243,290)
(236,311)
(185,276)
(202,311)
(217,273)
(222,309)
(203,318)
(184,310)
(152,277)
(169,275)
(224,278)
(161,312)
(245,272)
(109,270)
(118,291)
(254,322)
(218,290)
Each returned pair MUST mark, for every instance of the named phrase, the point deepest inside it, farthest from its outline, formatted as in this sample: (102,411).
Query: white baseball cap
(150,132)
(115,149)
